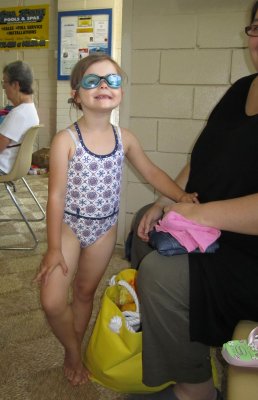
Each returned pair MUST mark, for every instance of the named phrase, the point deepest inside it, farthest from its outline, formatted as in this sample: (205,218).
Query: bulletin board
(81,33)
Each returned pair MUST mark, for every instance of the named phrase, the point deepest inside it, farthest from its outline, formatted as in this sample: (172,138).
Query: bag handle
(132,293)
(132,318)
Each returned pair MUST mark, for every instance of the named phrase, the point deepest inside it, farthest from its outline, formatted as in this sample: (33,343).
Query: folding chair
(19,171)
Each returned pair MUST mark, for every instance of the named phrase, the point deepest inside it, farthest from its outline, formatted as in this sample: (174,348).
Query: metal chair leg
(8,186)
(36,201)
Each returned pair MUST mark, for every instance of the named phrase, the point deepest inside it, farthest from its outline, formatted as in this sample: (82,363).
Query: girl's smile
(102,96)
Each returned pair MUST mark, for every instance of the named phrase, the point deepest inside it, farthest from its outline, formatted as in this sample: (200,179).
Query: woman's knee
(167,275)
(148,275)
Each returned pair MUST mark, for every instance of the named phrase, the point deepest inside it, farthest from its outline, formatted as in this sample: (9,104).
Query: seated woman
(17,83)
(192,301)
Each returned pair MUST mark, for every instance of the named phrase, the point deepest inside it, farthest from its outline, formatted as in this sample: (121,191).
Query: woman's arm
(4,142)
(238,215)
(155,212)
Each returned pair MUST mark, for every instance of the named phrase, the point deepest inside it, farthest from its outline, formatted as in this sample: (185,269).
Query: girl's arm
(153,174)
(238,215)
(59,156)
(183,176)
(154,213)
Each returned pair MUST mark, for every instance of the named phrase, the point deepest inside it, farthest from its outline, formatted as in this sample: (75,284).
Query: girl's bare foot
(80,376)
(75,371)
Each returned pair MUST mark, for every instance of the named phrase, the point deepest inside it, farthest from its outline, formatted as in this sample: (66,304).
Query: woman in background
(17,82)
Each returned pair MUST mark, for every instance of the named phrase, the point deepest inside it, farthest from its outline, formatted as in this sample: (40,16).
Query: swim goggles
(92,81)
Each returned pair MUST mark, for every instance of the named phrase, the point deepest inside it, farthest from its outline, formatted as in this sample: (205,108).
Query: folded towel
(188,233)
(167,245)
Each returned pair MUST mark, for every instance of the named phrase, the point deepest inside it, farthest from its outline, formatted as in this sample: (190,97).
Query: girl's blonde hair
(81,67)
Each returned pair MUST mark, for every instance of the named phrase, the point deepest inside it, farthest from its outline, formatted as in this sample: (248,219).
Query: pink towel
(189,234)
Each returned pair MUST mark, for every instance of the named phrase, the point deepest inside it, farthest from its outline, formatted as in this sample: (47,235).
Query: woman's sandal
(242,353)
(164,394)
(219,395)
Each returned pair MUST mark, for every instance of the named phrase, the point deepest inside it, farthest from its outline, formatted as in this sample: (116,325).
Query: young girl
(86,162)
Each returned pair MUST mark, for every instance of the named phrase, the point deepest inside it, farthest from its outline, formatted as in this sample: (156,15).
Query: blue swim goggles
(92,81)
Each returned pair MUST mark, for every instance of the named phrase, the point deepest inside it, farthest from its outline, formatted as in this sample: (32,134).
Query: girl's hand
(189,198)
(149,219)
(51,260)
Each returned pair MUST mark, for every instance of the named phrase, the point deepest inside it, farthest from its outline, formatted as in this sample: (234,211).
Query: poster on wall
(81,33)
(24,27)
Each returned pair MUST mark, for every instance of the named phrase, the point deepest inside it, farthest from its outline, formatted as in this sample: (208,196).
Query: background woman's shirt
(14,126)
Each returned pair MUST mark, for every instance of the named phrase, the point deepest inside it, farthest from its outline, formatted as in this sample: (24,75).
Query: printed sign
(24,27)
(81,33)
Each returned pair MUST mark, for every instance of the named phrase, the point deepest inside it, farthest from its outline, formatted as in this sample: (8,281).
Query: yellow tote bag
(115,358)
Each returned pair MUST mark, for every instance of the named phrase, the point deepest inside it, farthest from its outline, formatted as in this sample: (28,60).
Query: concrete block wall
(181,57)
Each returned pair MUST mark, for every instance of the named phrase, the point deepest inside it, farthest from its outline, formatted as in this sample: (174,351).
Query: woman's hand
(149,219)
(187,210)
(51,260)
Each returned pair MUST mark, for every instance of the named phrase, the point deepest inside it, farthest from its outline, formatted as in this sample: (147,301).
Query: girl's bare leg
(92,265)
(69,322)
(54,299)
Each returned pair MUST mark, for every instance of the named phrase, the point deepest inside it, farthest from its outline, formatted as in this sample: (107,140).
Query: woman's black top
(224,165)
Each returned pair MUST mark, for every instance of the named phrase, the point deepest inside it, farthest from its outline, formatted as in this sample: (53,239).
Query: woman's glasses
(92,81)
(251,30)
(3,82)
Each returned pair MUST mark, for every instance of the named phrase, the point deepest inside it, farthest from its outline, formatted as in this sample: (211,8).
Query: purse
(114,352)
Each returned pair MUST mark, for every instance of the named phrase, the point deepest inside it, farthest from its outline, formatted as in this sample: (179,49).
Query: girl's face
(103,97)
(253,44)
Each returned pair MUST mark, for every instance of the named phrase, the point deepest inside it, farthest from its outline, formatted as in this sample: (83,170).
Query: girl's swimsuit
(93,189)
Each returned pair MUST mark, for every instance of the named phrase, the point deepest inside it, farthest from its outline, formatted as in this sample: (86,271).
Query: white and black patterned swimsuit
(93,189)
